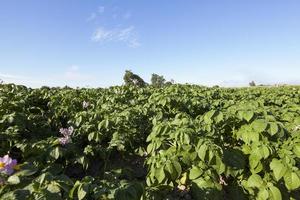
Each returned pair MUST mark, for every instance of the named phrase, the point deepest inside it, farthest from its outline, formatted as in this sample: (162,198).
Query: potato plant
(141,143)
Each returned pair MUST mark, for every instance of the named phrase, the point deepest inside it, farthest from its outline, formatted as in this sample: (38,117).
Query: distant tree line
(252,84)
(156,80)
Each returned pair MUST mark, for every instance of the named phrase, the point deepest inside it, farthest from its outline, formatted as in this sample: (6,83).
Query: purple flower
(85,104)
(7,165)
(64,140)
(66,132)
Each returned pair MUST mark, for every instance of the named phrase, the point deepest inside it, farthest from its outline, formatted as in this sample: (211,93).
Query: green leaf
(219,166)
(202,152)
(150,148)
(208,117)
(171,170)
(195,172)
(13,180)
(26,170)
(247,115)
(263,194)
(82,191)
(259,125)
(255,181)
(83,160)
(292,180)
(55,152)
(247,134)
(278,168)
(219,117)
(160,174)
(103,124)
(72,191)
(53,187)
(211,155)
(78,121)
(42,178)
(91,136)
(265,152)
(203,183)
(275,193)
(177,166)
(296,150)
(274,128)
(255,164)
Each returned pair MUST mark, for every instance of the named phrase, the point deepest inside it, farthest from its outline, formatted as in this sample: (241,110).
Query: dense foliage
(173,142)
(133,79)
(157,80)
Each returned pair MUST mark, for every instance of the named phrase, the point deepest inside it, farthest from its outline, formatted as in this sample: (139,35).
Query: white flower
(181,187)
(85,104)
(222,181)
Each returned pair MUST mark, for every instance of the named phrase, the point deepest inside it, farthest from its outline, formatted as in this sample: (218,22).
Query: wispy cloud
(94,15)
(102,34)
(126,35)
(73,73)
(11,76)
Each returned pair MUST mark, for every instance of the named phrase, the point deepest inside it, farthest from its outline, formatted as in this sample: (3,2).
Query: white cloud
(102,34)
(126,35)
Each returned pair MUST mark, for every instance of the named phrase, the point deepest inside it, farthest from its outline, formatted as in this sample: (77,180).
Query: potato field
(150,143)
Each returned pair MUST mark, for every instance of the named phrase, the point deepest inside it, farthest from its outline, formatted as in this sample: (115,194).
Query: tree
(171,82)
(133,79)
(252,84)
(157,80)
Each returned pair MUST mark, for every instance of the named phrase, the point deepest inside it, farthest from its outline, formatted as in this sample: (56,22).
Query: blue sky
(91,43)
